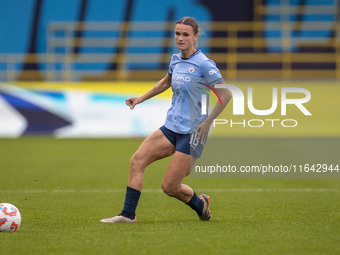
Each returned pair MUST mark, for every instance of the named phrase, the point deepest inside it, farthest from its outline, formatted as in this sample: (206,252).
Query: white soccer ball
(10,218)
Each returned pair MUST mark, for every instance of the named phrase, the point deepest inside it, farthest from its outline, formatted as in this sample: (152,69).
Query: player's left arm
(204,127)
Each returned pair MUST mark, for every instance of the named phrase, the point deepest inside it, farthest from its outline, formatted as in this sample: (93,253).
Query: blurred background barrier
(66,67)
(66,110)
(98,109)
(116,40)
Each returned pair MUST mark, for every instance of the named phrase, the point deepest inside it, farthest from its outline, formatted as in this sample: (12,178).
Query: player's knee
(169,188)
(136,160)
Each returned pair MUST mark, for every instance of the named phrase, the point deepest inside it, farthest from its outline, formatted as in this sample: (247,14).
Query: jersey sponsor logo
(191,69)
(213,71)
(181,77)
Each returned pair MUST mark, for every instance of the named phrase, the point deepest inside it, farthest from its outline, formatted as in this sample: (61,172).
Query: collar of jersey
(193,54)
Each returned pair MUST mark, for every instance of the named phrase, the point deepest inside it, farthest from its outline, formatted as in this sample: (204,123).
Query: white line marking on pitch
(159,190)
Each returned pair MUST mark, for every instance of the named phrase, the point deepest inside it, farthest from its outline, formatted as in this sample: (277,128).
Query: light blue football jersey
(187,78)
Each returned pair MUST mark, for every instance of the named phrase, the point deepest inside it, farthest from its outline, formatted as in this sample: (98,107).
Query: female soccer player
(179,134)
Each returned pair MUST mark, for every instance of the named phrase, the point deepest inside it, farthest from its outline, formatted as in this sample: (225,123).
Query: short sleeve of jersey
(171,66)
(210,72)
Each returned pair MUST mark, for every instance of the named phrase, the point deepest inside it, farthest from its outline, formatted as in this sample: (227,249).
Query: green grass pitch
(63,187)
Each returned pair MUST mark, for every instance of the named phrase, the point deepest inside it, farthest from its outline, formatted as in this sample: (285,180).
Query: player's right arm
(160,87)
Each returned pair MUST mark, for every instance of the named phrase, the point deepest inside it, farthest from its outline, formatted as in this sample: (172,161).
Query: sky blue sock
(196,204)
(131,201)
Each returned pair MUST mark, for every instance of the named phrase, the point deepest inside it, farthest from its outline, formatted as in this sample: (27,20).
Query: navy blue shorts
(184,142)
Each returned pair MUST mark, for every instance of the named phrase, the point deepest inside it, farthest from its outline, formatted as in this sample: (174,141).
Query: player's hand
(132,101)
(203,131)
